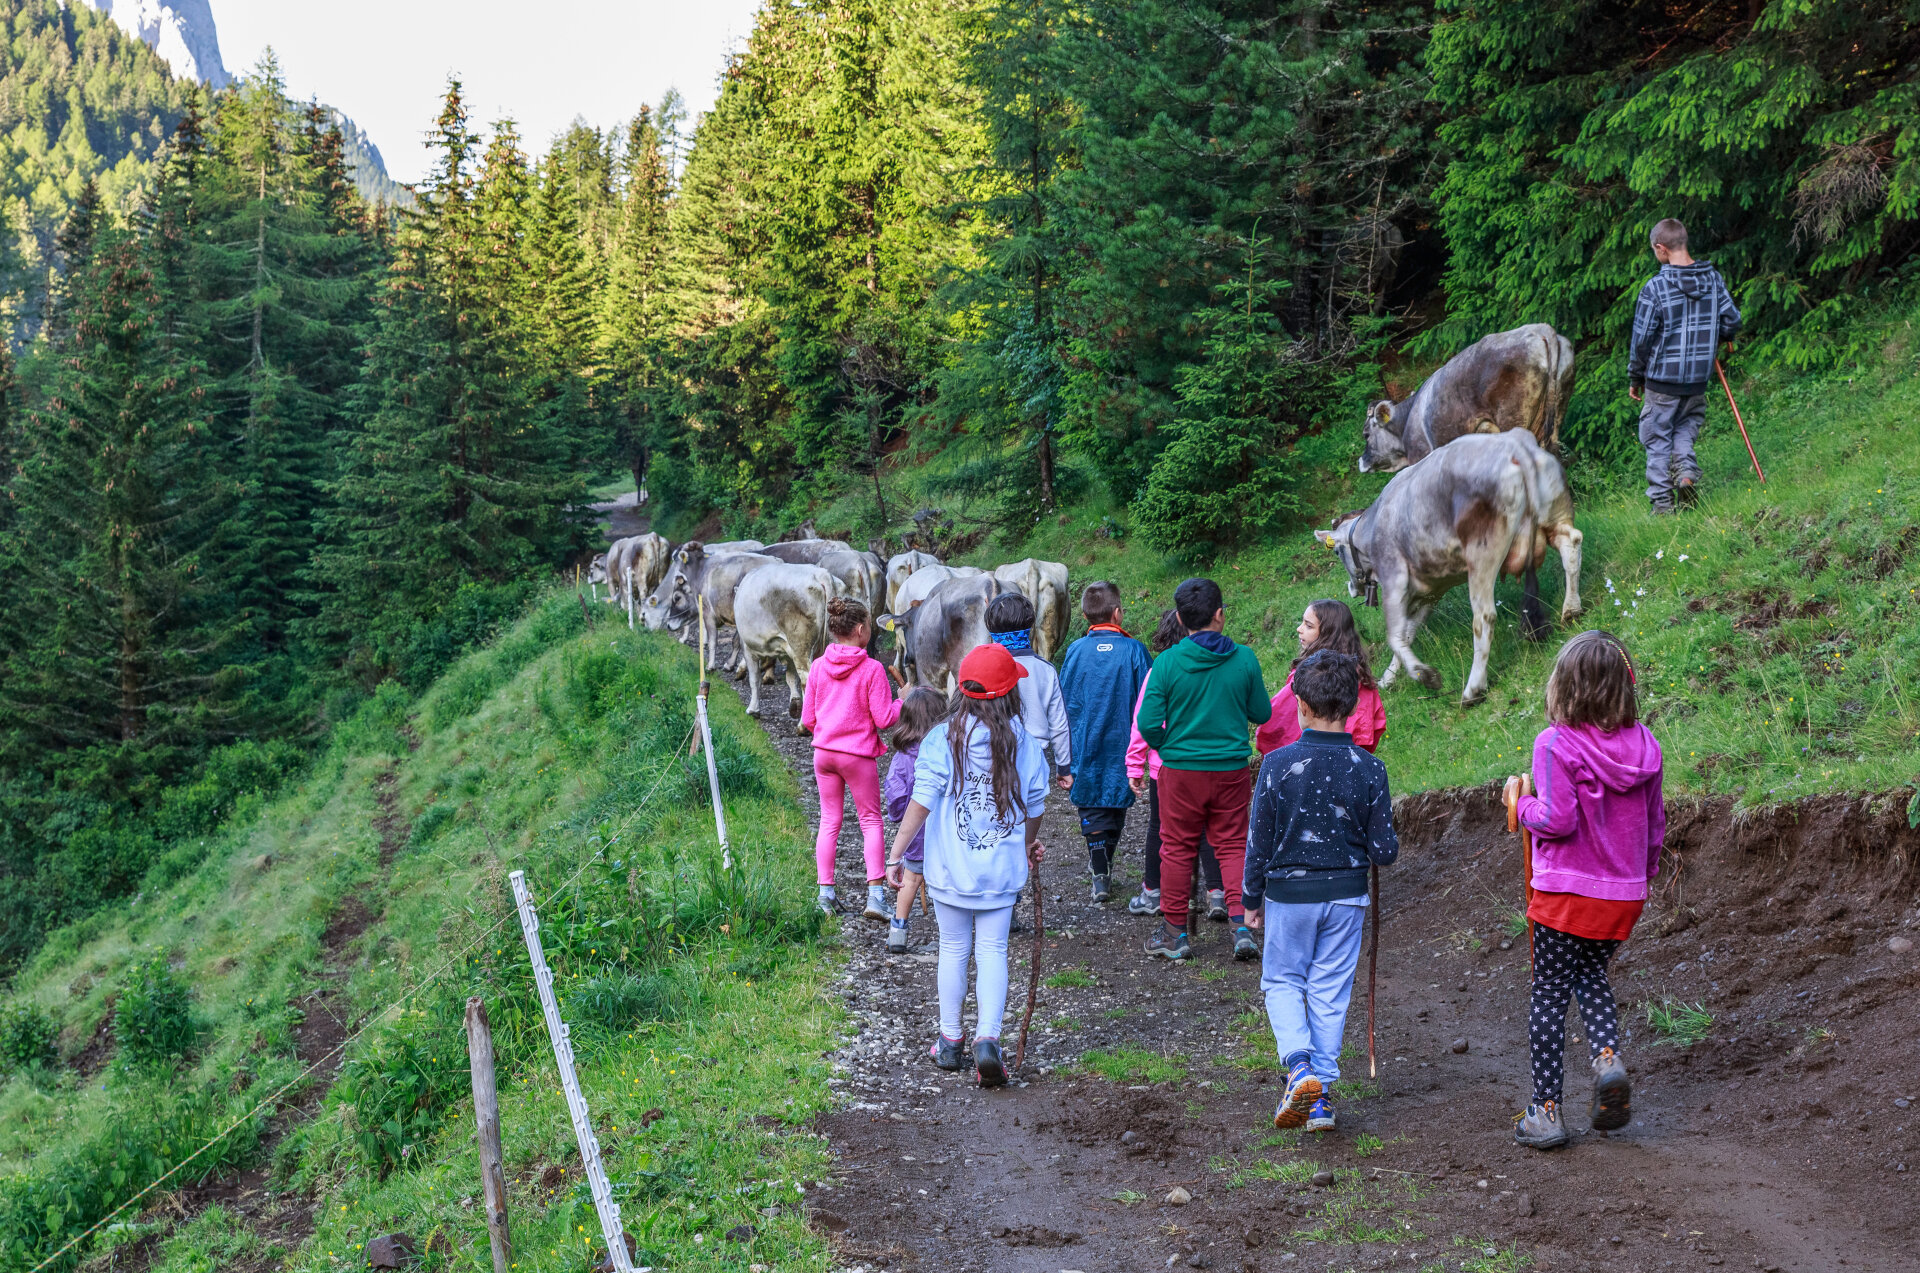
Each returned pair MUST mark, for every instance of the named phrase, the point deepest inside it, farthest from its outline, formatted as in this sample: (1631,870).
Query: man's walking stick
(1033,973)
(1373,964)
(1742,423)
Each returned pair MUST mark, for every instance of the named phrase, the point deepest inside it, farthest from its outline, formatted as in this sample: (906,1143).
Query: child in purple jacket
(920,711)
(1597,822)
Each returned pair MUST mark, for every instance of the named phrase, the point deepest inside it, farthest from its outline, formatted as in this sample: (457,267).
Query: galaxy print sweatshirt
(1321,814)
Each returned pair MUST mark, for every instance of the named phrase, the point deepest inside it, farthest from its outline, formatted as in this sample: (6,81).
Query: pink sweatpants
(836,771)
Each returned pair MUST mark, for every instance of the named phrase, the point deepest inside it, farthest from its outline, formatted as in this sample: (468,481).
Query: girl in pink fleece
(848,701)
(1597,823)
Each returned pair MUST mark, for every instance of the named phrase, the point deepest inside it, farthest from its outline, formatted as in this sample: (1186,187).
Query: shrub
(27,1037)
(153,1021)
(432,821)
(615,1000)
(400,1084)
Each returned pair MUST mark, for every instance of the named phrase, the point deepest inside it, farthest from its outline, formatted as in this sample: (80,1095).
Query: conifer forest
(266,445)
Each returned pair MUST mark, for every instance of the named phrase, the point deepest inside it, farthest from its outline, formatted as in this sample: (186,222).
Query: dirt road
(1785,1140)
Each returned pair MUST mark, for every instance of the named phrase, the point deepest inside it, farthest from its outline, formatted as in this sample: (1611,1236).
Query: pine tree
(119,632)
(72,248)
(634,319)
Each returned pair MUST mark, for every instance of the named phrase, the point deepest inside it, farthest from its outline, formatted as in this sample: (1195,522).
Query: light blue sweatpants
(1306,974)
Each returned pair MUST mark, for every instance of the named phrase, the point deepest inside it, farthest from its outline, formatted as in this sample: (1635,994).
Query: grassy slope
(1776,659)
(553,749)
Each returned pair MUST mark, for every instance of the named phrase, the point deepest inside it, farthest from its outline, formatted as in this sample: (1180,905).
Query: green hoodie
(1199,701)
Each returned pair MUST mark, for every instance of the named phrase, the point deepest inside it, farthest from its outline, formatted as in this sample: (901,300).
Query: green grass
(554,751)
(1297,1171)
(1354,1090)
(1135,1065)
(1070,978)
(1678,1024)
(1773,629)
(1367,1143)
(1063,1023)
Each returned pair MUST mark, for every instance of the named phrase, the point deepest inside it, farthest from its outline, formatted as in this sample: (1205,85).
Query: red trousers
(1193,802)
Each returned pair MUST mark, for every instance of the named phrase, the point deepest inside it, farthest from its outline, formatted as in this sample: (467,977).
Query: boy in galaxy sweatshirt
(1322,814)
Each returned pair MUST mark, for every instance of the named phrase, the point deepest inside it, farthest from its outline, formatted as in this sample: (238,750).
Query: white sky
(386,62)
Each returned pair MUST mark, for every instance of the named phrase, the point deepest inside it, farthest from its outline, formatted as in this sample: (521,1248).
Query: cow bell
(1373,593)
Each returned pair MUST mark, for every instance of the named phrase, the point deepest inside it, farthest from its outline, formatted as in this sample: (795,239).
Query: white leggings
(983,934)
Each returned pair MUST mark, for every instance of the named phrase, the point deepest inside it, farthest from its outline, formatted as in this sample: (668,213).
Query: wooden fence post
(486,1119)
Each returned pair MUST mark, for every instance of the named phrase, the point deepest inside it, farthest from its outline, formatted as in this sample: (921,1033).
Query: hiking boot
(988,1063)
(1686,492)
(1102,889)
(896,938)
(1217,905)
(1169,942)
(1303,1089)
(1017,924)
(1540,1127)
(1612,1092)
(1660,507)
(1320,1116)
(1245,945)
(1145,902)
(948,1054)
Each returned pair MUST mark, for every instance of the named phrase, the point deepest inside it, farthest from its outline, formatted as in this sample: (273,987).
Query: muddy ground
(1786,1140)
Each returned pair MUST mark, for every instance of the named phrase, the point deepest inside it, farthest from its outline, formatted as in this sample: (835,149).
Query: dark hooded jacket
(1683,314)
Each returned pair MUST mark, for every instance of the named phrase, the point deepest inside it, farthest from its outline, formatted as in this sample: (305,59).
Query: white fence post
(713,777)
(570,1082)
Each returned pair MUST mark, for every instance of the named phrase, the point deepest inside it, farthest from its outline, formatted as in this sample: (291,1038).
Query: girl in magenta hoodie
(848,701)
(1597,821)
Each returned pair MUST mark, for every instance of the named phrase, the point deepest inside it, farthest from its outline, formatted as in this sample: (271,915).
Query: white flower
(1616,601)
(1658,555)
(1683,556)
(1609,585)
(1639,592)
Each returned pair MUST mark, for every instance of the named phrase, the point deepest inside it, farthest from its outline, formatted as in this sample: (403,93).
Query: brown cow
(1510,380)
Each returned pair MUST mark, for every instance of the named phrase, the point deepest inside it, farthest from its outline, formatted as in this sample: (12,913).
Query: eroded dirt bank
(1783,1141)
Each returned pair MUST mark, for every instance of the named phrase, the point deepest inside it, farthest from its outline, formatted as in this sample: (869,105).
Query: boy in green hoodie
(1203,694)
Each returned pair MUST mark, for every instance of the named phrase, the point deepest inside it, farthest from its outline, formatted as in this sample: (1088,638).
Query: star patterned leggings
(1565,966)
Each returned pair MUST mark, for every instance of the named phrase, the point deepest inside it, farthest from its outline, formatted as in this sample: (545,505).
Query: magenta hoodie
(1597,818)
(848,701)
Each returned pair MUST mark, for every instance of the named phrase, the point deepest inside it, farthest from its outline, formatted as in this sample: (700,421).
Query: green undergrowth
(381,881)
(1773,629)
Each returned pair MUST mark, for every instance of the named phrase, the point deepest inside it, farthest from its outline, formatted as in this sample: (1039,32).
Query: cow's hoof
(1429,677)
(1570,617)
(793,709)
(1473,698)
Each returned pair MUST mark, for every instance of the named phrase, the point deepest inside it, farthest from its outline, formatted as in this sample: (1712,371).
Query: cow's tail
(1559,381)
(1535,617)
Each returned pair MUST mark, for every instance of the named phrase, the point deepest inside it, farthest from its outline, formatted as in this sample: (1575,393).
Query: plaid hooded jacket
(1683,314)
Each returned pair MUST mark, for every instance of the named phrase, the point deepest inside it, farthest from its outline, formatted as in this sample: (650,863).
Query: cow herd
(1478,491)
(774,597)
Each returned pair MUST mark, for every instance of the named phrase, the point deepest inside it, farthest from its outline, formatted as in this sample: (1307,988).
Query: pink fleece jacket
(848,701)
(1597,819)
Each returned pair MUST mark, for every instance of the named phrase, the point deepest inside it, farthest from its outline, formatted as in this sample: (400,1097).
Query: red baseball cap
(993,669)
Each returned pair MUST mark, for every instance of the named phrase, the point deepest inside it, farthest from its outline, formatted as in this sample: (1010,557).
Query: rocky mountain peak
(181,31)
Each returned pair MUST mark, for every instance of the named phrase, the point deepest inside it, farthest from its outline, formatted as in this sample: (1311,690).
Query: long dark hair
(997,715)
(920,711)
(1170,633)
(1338,633)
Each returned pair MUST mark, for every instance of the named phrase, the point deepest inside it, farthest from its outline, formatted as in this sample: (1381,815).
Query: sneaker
(948,1054)
(876,904)
(988,1063)
(1102,889)
(827,904)
(1145,902)
(896,938)
(1169,942)
(1217,905)
(1245,945)
(1018,923)
(1540,1127)
(1303,1089)
(1612,1092)
(1320,1116)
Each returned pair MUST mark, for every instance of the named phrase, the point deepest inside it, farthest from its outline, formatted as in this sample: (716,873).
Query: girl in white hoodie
(979,789)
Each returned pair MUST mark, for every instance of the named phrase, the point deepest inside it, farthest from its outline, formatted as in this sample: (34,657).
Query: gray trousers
(1668,426)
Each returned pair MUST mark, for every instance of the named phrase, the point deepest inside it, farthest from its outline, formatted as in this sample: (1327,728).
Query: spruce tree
(119,632)
(634,318)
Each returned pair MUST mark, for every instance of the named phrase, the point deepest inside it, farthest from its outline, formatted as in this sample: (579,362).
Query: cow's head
(901,625)
(690,554)
(597,569)
(670,606)
(1385,451)
(1341,540)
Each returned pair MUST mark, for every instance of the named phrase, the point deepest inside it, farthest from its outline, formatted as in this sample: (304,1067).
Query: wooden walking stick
(1373,964)
(1525,788)
(1742,423)
(1033,973)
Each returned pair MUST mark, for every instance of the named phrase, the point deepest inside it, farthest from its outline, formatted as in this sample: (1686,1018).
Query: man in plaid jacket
(1683,314)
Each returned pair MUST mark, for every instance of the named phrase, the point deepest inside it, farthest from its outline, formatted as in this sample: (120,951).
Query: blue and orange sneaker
(1320,1116)
(1303,1089)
